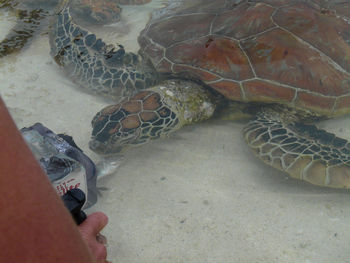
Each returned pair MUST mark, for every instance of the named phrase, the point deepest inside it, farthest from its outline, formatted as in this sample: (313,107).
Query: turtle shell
(96,11)
(272,51)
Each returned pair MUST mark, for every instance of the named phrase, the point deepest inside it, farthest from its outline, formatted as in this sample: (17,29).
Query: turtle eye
(98,16)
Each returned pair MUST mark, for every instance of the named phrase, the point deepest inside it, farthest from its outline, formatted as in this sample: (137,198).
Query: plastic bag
(65,164)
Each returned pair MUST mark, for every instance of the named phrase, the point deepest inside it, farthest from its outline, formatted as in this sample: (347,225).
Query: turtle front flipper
(95,66)
(304,151)
(150,114)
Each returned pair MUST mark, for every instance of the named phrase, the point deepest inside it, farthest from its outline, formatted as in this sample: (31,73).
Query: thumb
(94,223)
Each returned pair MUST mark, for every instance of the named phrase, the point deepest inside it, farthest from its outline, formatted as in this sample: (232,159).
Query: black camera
(74,200)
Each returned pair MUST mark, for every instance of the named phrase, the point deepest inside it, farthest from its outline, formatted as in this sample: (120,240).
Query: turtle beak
(97,147)
(102,148)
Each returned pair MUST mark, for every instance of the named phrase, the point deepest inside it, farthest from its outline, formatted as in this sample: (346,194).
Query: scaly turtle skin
(32,16)
(286,62)
(29,20)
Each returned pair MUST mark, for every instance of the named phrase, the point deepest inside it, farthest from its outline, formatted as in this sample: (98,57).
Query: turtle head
(132,122)
(150,114)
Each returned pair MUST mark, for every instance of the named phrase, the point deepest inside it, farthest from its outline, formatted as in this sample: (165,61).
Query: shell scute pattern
(277,51)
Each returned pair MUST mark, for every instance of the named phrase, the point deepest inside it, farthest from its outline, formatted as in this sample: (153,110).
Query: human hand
(90,232)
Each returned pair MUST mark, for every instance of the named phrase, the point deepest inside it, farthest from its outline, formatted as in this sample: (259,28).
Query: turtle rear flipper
(304,151)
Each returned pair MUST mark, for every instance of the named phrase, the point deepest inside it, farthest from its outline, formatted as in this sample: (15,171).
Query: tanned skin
(34,224)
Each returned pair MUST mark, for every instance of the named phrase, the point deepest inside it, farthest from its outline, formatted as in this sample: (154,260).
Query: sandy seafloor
(199,196)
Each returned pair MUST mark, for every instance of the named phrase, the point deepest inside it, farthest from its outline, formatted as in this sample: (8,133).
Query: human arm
(34,224)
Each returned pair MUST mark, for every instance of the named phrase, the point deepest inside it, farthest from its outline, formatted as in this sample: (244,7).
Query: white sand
(199,196)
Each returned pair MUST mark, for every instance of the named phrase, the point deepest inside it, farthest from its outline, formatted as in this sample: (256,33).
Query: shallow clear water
(198,196)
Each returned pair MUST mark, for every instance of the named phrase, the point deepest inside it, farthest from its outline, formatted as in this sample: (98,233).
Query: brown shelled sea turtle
(31,16)
(286,62)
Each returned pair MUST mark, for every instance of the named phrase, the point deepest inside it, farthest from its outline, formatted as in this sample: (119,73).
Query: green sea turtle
(32,15)
(285,62)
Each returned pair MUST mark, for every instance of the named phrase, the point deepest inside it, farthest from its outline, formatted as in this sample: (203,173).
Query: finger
(100,253)
(94,223)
